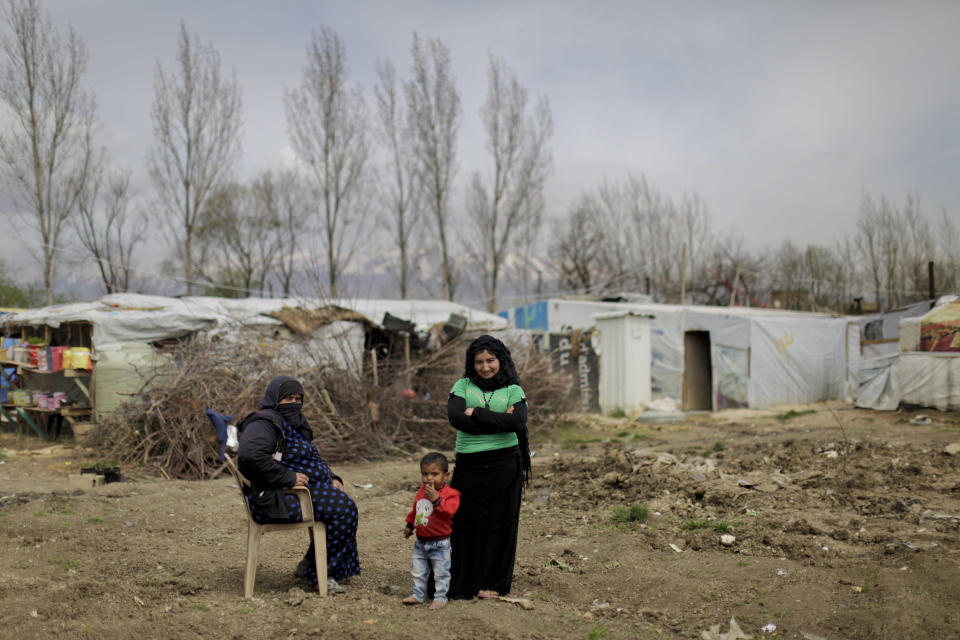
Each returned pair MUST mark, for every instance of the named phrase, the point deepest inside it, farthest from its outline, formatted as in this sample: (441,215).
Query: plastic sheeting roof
(130,317)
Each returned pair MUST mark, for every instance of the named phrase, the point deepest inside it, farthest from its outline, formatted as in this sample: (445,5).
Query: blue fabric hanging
(220,423)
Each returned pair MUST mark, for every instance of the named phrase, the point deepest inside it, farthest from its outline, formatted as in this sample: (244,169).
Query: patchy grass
(571,437)
(66,565)
(720,526)
(633,513)
(716,448)
(783,417)
(618,413)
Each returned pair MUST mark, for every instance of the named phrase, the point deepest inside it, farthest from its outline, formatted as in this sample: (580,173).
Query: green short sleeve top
(499,400)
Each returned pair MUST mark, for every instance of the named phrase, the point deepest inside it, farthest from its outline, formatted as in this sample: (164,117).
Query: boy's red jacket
(436,523)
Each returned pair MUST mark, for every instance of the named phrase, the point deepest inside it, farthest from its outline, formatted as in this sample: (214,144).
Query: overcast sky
(778,113)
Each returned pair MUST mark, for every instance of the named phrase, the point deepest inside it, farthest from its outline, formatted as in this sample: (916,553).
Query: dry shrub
(355,416)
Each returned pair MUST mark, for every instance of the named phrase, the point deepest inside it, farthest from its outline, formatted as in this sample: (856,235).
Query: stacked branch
(383,405)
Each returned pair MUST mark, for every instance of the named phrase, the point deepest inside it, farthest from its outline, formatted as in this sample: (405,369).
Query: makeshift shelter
(873,351)
(121,331)
(929,366)
(718,357)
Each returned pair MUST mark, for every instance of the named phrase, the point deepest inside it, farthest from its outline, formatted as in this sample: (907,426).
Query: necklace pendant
(486,405)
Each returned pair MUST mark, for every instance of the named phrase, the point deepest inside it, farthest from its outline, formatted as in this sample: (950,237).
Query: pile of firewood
(389,406)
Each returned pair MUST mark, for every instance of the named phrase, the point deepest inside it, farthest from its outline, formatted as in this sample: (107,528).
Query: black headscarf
(278,389)
(506,376)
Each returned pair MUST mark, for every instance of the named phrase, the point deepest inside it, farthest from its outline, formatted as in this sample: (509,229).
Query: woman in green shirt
(488,409)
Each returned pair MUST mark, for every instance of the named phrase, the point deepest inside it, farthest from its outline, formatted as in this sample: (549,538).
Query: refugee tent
(120,330)
(719,357)
(873,349)
(929,371)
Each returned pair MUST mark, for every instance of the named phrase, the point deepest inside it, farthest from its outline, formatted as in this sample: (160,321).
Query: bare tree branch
(433,110)
(327,122)
(196,125)
(47,156)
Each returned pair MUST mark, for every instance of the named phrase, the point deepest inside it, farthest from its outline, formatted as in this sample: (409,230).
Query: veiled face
(291,399)
(486,364)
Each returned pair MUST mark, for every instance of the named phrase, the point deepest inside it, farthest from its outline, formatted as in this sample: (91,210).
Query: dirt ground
(845,524)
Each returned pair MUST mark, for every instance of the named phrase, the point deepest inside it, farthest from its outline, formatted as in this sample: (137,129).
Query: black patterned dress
(334,507)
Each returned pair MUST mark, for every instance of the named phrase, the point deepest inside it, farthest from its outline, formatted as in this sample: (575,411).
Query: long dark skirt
(484,539)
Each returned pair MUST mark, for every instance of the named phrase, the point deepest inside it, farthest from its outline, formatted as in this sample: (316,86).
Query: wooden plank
(3,372)
(880,341)
(82,387)
(31,422)
(8,417)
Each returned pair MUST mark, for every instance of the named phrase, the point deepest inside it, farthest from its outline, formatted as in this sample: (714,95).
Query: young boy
(431,517)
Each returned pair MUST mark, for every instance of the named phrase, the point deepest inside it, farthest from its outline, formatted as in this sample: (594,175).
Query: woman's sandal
(487,594)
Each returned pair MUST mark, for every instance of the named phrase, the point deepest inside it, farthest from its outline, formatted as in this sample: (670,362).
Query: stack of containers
(43,363)
(55,357)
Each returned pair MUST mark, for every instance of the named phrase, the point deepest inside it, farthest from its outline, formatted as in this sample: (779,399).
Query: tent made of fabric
(754,357)
(127,317)
(940,329)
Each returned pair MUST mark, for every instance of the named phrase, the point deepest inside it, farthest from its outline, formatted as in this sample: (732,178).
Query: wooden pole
(683,275)
(933,290)
(373,362)
(736,283)
(406,356)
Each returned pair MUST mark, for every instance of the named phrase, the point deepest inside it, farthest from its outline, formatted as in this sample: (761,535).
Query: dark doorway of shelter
(697,372)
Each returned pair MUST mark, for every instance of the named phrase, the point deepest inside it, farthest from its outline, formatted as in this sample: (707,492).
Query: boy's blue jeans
(427,555)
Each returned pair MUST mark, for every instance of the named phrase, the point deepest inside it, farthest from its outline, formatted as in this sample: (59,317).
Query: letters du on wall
(573,352)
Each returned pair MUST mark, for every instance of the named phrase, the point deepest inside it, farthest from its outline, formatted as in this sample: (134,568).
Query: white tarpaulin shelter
(719,357)
(128,317)
(928,371)
(124,325)
(873,349)
(930,379)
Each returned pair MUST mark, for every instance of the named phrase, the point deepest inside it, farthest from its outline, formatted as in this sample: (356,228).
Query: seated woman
(276,452)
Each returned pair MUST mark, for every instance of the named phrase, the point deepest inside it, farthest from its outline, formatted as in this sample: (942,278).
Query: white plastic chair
(318,532)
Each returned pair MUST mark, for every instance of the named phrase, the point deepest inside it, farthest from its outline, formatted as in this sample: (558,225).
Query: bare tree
(869,245)
(613,206)
(244,226)
(528,241)
(575,248)
(947,268)
(399,191)
(918,249)
(733,268)
(518,143)
(695,224)
(327,121)
(290,196)
(109,229)
(433,109)
(46,146)
(196,118)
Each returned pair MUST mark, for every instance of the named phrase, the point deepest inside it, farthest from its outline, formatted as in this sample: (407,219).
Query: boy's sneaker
(334,587)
